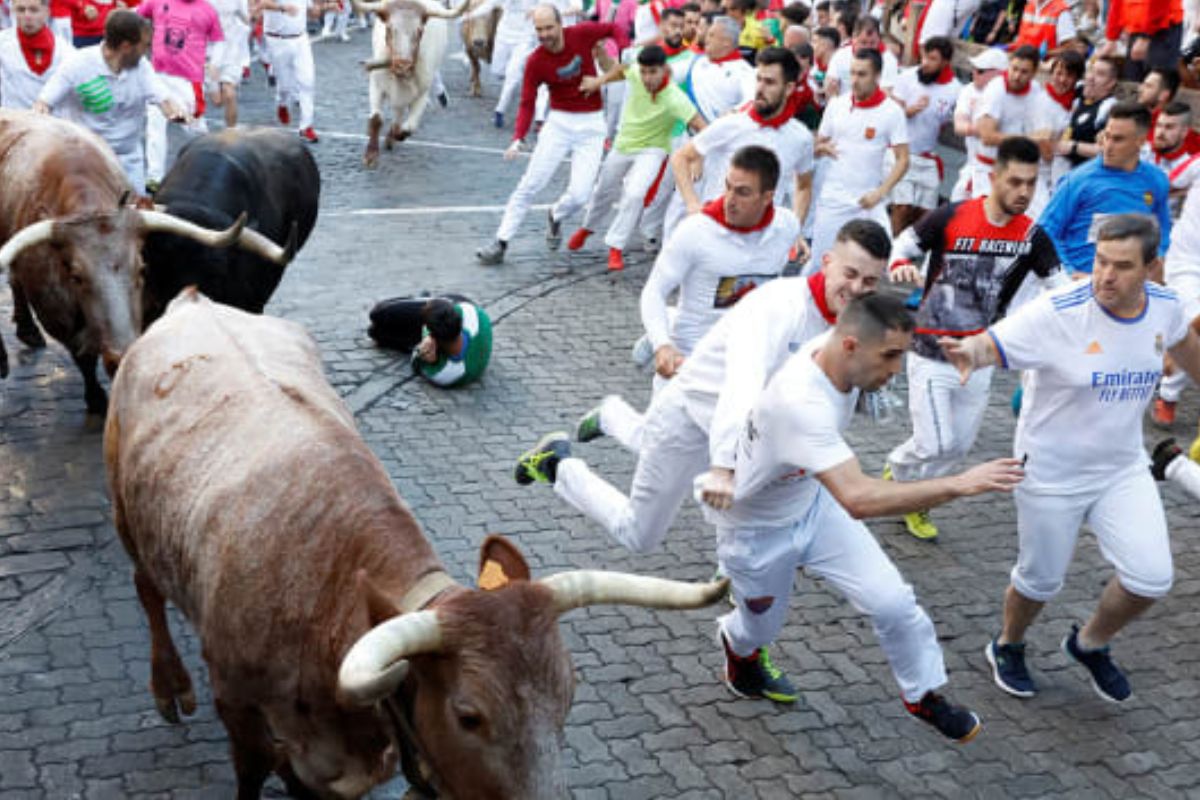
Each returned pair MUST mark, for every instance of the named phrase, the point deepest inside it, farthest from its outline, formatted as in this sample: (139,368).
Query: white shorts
(920,185)
(227,57)
(1130,526)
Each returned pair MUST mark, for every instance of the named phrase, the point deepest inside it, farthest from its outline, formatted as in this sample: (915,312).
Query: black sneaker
(1164,453)
(1008,668)
(756,676)
(1107,679)
(541,463)
(553,231)
(954,722)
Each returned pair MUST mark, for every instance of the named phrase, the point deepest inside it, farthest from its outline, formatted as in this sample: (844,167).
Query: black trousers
(396,323)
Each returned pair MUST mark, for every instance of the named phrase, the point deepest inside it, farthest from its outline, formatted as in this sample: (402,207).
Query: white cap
(991,58)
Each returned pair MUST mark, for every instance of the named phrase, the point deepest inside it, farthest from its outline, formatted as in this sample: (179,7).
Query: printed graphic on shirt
(732,288)
(95,95)
(175,38)
(569,70)
(1126,386)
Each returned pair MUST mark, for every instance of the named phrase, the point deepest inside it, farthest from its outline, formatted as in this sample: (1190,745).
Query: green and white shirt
(471,361)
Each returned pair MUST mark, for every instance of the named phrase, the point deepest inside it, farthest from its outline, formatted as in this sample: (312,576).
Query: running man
(1093,353)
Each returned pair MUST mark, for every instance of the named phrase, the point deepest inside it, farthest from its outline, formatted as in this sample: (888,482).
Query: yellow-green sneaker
(887,473)
(1194,450)
(920,525)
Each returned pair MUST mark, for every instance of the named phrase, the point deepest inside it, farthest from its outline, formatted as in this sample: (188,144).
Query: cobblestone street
(650,718)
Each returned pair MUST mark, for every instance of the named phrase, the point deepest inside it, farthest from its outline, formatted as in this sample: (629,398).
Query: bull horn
(159,222)
(379,63)
(580,588)
(37,233)
(434,9)
(365,8)
(375,666)
(254,242)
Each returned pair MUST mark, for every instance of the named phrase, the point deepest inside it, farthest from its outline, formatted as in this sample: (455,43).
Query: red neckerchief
(716,210)
(820,66)
(665,83)
(779,120)
(697,48)
(881,47)
(671,51)
(37,49)
(656,12)
(873,101)
(733,55)
(804,95)
(816,285)
(1065,99)
(947,75)
(1008,88)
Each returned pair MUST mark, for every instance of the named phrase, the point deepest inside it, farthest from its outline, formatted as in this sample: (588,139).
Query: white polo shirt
(862,134)
(925,126)
(839,67)
(791,143)
(19,85)
(280,23)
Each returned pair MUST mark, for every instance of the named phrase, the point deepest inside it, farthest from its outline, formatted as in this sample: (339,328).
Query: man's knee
(893,607)
(1039,586)
(1148,581)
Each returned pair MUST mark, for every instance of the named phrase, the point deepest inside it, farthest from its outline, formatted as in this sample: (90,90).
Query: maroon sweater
(563,71)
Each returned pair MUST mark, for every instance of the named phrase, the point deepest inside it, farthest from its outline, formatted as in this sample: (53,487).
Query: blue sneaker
(1008,668)
(498,119)
(1107,679)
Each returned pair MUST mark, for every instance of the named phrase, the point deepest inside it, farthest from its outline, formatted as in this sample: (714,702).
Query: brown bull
(72,245)
(479,39)
(335,641)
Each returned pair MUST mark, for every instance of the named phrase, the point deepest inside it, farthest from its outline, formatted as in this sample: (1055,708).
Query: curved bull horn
(378,63)
(370,7)
(435,9)
(160,222)
(254,242)
(375,665)
(580,588)
(37,233)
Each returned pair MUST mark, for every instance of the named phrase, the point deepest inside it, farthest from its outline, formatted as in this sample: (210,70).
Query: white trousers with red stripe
(184,94)
(624,180)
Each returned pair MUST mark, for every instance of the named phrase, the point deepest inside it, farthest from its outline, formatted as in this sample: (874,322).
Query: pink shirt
(626,9)
(182,31)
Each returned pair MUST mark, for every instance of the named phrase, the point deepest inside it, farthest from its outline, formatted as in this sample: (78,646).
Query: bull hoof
(30,336)
(97,402)
(476,91)
(371,159)
(170,707)
(389,143)
(403,134)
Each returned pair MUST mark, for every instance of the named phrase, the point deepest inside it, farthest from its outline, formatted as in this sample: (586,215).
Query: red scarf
(37,49)
(733,55)
(666,81)
(804,96)
(816,285)
(1065,99)
(881,47)
(716,210)
(779,120)
(672,51)
(947,75)
(1008,88)
(874,101)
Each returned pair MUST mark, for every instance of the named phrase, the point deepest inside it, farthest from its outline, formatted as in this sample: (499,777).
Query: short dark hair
(867,54)
(652,55)
(741,5)
(784,58)
(823,5)
(1132,226)
(865,22)
(1177,108)
(1133,111)
(671,13)
(124,26)
(1170,80)
(804,50)
(1019,149)
(442,320)
(1026,52)
(795,13)
(871,316)
(940,44)
(829,32)
(1073,61)
(867,234)
(761,161)
(690,8)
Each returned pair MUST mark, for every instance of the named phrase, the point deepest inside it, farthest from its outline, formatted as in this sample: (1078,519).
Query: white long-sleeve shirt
(19,85)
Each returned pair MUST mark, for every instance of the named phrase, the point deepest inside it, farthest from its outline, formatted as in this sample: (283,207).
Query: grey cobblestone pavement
(650,718)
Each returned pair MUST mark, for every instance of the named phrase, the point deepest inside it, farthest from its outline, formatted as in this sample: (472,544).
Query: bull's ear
(500,563)
(379,607)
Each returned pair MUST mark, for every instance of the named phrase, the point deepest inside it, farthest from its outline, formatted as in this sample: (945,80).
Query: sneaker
(616,262)
(1008,668)
(283,115)
(553,231)
(152,187)
(642,352)
(920,525)
(1107,679)
(887,475)
(344,36)
(245,74)
(498,119)
(588,427)
(492,253)
(1194,450)
(309,135)
(1164,453)
(651,245)
(271,84)
(443,99)
(1017,397)
(756,676)
(578,238)
(954,722)
(1163,413)
(541,463)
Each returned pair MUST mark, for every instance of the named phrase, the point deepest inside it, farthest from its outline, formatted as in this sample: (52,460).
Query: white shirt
(839,68)
(717,88)
(1092,377)
(793,434)
(515,24)
(731,364)
(281,23)
(862,137)
(1182,266)
(791,143)
(925,126)
(19,85)
(645,27)
(1014,113)
(947,17)
(234,16)
(110,105)
(968,101)
(712,266)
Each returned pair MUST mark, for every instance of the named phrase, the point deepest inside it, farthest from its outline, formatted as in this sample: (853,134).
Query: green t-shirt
(648,121)
(472,360)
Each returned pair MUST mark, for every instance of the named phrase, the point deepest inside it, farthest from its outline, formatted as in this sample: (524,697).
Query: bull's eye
(470,721)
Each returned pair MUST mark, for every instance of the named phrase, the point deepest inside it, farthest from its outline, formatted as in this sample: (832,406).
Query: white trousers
(946,416)
(1185,473)
(133,162)
(579,136)
(292,64)
(336,21)
(1171,387)
(614,100)
(622,422)
(513,70)
(1127,517)
(831,215)
(184,96)
(674,451)
(762,562)
(624,181)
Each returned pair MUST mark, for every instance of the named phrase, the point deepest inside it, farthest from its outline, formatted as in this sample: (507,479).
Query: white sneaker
(643,352)
(344,36)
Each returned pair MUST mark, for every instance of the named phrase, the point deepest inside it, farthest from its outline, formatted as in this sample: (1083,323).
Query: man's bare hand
(427,350)
(958,353)
(513,150)
(905,272)
(716,488)
(1139,49)
(590,83)
(871,199)
(667,360)
(800,252)
(1001,475)
(39,107)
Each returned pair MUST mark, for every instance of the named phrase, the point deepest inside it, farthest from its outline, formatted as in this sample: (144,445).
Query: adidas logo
(1093,349)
